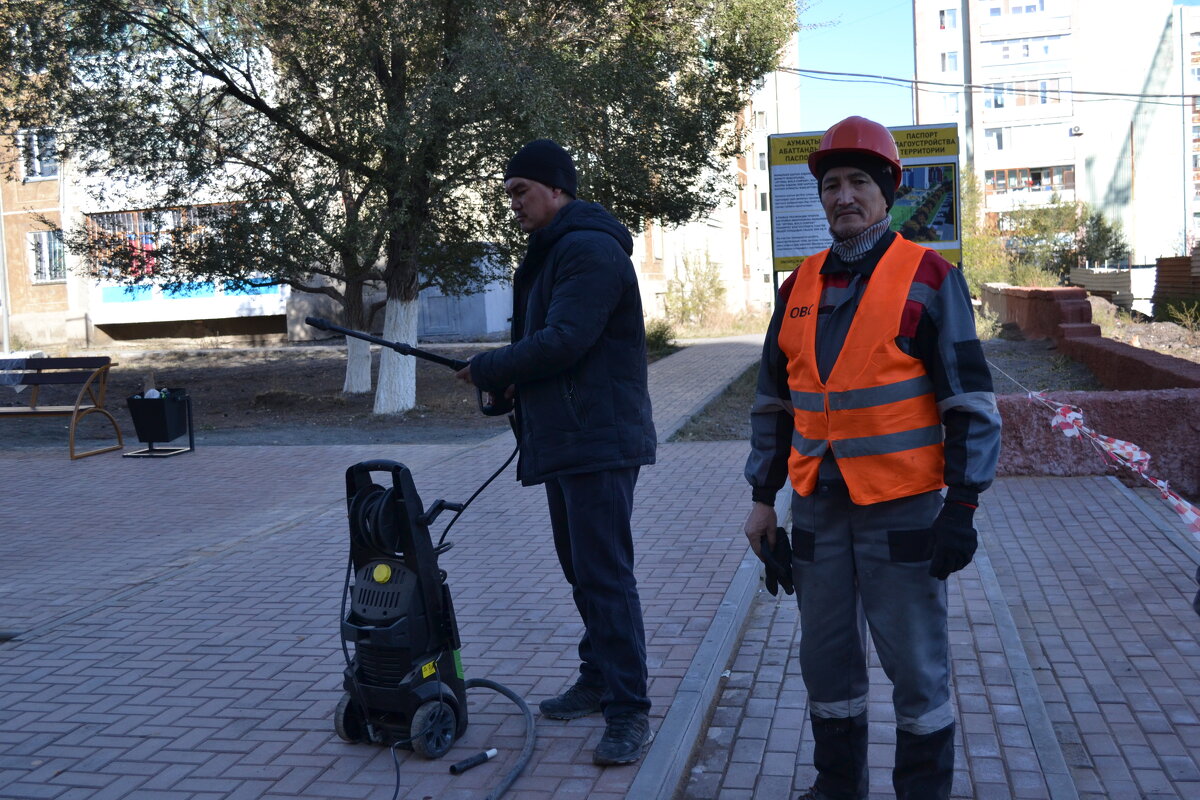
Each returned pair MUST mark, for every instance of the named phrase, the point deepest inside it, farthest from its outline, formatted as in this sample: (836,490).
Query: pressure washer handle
(400,347)
(499,406)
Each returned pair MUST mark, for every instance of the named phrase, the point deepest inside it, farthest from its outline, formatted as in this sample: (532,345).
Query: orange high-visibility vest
(877,411)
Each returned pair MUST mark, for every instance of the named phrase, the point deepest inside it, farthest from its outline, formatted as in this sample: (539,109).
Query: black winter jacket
(578,352)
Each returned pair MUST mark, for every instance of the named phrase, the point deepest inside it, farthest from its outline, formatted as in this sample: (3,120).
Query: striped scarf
(854,248)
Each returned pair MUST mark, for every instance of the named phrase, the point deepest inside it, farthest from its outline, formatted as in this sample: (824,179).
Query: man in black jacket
(577,369)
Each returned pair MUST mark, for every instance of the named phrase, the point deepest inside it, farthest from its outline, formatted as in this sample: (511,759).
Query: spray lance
(492,407)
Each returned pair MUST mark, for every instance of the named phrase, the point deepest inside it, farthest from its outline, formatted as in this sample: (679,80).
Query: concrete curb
(664,765)
(1041,730)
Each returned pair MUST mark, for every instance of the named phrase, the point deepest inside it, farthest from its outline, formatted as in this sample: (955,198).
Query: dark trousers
(589,514)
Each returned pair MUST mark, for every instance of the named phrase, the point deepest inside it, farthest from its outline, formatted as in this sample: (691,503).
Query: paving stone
(201,659)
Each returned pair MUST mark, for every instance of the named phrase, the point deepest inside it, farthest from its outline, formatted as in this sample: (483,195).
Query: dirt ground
(282,395)
(292,395)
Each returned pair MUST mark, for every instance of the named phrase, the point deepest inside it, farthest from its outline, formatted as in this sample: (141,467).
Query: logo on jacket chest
(796,312)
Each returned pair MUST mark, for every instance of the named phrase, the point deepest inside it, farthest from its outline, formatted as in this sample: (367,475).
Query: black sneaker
(577,701)
(625,740)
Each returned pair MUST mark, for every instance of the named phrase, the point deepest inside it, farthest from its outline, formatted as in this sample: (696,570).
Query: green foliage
(1043,237)
(984,258)
(1024,273)
(1182,311)
(696,295)
(1102,241)
(1060,236)
(660,337)
(363,141)
(987,325)
(729,323)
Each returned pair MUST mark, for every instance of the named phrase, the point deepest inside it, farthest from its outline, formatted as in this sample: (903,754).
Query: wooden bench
(90,373)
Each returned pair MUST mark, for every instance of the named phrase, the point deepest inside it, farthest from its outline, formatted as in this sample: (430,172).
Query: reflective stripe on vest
(877,411)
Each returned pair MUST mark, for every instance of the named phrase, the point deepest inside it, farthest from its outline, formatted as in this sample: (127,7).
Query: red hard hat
(858,135)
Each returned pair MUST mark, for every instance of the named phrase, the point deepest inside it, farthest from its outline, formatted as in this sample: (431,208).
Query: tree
(984,258)
(1044,236)
(1102,241)
(1063,235)
(361,140)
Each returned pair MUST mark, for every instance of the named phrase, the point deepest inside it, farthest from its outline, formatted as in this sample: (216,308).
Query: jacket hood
(580,215)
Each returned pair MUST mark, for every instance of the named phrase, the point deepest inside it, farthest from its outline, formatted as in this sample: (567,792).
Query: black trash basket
(161,419)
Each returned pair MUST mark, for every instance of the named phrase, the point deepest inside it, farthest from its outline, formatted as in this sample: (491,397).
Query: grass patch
(727,324)
(727,417)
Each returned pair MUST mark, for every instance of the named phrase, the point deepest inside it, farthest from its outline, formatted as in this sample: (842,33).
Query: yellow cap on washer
(382,573)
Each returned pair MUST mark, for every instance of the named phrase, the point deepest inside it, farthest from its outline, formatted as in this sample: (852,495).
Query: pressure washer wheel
(433,728)
(348,721)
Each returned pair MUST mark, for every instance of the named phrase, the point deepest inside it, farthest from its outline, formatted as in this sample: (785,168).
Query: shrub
(695,296)
(729,323)
(660,337)
(987,325)
(1184,313)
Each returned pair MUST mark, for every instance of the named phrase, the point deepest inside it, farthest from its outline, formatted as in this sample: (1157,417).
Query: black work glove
(954,539)
(778,561)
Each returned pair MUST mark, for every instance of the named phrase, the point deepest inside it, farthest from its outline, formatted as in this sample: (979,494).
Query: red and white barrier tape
(1069,420)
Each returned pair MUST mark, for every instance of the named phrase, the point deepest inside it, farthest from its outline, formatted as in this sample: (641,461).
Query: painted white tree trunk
(397,390)
(358,366)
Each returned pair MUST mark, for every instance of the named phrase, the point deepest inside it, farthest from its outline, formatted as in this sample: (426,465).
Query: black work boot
(577,701)
(625,739)
(811,794)
(1196,602)
(840,756)
(924,765)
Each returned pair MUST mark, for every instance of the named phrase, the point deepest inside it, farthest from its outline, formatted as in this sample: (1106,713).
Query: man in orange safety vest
(873,399)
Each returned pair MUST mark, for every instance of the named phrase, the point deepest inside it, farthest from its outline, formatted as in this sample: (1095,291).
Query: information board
(927,203)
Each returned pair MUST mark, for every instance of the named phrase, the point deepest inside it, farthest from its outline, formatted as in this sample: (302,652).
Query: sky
(873,37)
(867,36)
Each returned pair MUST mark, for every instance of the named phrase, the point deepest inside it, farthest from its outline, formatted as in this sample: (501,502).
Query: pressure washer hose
(530,733)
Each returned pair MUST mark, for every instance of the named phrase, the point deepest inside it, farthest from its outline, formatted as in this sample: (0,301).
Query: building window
(40,154)
(1024,93)
(950,61)
(1029,179)
(1037,47)
(762,160)
(46,257)
(948,19)
(994,138)
(760,120)
(762,201)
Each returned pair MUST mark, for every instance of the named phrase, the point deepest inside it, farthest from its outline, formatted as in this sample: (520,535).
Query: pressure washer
(404,683)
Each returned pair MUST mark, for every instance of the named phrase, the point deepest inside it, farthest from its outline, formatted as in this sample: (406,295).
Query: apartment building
(1080,98)
(33,273)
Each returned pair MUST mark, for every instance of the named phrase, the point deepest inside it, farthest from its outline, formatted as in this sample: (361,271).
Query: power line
(1081,95)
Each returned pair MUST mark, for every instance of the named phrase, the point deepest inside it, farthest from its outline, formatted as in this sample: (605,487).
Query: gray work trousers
(859,567)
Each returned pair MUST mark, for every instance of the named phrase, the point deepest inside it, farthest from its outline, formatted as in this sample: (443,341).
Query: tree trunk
(358,366)
(358,352)
(397,391)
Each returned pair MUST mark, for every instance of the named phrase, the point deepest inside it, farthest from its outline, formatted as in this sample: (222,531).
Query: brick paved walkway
(1076,662)
(179,624)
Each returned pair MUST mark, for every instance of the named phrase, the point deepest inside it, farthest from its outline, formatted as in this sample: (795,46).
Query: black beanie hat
(879,170)
(542,160)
